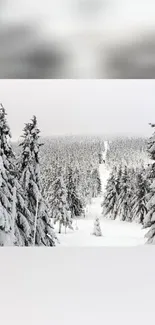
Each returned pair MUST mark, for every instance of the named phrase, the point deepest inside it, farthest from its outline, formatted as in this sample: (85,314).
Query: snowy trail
(104,175)
(115,233)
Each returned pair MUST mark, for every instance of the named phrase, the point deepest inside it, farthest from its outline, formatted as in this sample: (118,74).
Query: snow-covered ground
(104,175)
(115,232)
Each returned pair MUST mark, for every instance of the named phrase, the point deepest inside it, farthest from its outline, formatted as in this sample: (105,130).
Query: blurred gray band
(77,39)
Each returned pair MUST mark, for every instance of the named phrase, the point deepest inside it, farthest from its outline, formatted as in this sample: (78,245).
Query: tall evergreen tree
(150,217)
(23,218)
(17,205)
(58,203)
(118,175)
(131,188)
(42,230)
(96,183)
(87,185)
(6,188)
(110,202)
(150,173)
(139,208)
(124,202)
(73,197)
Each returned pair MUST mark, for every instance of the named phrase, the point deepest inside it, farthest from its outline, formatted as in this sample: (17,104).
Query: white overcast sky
(80,106)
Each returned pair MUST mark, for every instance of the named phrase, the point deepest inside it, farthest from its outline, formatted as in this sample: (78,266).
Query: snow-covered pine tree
(81,186)
(74,200)
(96,183)
(111,197)
(131,185)
(150,217)
(20,232)
(88,185)
(24,219)
(77,176)
(124,196)
(139,203)
(6,188)
(150,173)
(118,179)
(97,229)
(42,230)
(58,203)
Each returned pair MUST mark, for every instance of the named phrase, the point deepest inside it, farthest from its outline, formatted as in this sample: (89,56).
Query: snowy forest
(75,190)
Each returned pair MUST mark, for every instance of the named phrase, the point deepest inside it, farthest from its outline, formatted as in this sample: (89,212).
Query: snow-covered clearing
(115,233)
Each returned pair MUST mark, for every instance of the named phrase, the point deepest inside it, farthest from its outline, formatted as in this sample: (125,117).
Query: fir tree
(139,208)
(131,188)
(24,219)
(42,230)
(6,188)
(151,145)
(97,229)
(118,179)
(17,204)
(150,173)
(150,217)
(111,197)
(150,235)
(124,202)
(58,203)
(96,183)
(75,203)
(88,185)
